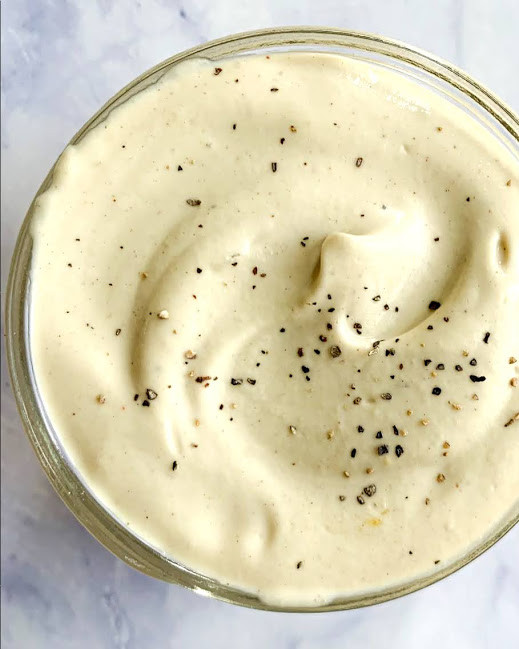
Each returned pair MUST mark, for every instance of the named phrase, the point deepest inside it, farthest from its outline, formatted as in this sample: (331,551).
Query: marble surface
(60,589)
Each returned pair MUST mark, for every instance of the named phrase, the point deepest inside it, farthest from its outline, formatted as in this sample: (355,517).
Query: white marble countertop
(61,60)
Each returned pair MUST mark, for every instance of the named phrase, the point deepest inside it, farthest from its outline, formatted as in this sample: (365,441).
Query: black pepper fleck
(370,490)
(335,351)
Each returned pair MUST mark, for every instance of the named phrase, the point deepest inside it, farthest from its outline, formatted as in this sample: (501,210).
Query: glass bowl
(477,102)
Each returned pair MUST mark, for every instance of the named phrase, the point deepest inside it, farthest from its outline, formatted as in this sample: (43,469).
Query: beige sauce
(312,266)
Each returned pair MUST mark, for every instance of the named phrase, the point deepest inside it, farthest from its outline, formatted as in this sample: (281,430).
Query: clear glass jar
(478,103)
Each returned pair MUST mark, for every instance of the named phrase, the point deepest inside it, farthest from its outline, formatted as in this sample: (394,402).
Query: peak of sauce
(273,317)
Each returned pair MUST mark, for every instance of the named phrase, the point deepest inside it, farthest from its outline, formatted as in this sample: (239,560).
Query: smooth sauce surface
(274,320)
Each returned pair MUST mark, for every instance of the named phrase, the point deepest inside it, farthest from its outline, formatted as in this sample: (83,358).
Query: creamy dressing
(274,322)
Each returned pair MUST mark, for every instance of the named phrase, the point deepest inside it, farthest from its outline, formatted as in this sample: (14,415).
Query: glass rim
(65,480)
